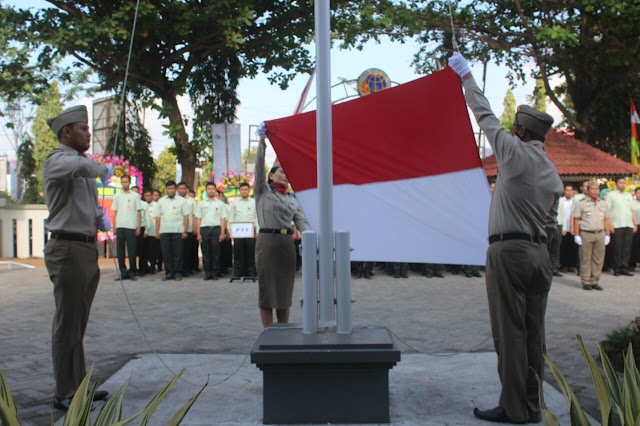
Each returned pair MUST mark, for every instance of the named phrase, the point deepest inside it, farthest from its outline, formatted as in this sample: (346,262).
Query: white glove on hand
(104,224)
(262,131)
(459,64)
(578,240)
(107,175)
(607,240)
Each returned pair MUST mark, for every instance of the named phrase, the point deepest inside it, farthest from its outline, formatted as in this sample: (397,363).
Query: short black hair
(125,176)
(183,183)
(135,187)
(568,184)
(156,190)
(211,184)
(245,184)
(621,177)
(170,183)
(148,191)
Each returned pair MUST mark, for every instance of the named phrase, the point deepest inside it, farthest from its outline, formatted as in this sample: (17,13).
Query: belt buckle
(283,231)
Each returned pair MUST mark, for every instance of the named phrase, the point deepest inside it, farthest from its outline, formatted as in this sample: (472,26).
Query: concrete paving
(217,318)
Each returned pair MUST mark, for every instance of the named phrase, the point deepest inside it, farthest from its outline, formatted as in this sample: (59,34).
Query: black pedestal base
(325,377)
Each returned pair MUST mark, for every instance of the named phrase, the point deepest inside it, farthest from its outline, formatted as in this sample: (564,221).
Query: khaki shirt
(126,205)
(244,211)
(211,212)
(592,215)
(528,185)
(171,212)
(71,191)
(621,207)
(274,209)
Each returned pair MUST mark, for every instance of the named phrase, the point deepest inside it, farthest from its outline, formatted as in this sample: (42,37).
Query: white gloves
(104,224)
(107,175)
(459,64)
(578,240)
(607,240)
(262,131)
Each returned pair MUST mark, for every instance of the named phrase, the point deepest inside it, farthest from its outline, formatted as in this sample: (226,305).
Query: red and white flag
(408,181)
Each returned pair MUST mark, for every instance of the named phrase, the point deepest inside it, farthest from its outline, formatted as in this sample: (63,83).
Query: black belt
(591,232)
(209,227)
(72,237)
(283,231)
(516,236)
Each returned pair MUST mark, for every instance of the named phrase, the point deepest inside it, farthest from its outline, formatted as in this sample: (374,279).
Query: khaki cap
(533,120)
(75,114)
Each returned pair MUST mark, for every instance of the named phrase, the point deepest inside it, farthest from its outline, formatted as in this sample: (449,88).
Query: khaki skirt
(276,268)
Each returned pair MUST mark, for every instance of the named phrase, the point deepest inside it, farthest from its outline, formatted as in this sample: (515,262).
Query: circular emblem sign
(373,80)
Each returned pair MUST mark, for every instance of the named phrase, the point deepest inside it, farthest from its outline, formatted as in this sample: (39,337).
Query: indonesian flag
(635,120)
(408,183)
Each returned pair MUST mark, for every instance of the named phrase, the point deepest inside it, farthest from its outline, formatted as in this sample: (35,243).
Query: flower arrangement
(121,166)
(233,179)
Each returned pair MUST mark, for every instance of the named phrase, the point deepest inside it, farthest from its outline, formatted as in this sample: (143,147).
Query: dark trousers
(172,252)
(226,256)
(141,251)
(210,250)
(187,259)
(518,280)
(244,257)
(195,259)
(568,251)
(73,270)
(553,246)
(152,248)
(126,237)
(621,240)
(635,250)
(362,269)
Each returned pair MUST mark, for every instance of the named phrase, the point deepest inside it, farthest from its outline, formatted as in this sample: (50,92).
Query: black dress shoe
(626,273)
(100,395)
(207,277)
(468,275)
(439,275)
(587,287)
(428,274)
(496,415)
(476,274)
(616,274)
(404,275)
(167,277)
(133,278)
(396,275)
(596,287)
(61,404)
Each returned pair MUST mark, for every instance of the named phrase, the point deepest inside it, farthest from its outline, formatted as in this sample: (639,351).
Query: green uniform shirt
(244,211)
(621,207)
(171,212)
(126,205)
(150,230)
(144,213)
(211,212)
(191,209)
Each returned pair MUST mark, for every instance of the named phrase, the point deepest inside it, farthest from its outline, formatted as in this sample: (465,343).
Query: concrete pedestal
(325,377)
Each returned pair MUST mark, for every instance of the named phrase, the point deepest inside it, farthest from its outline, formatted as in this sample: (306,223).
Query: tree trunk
(184,151)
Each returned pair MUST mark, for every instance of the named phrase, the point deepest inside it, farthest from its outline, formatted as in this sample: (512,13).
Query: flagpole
(325,156)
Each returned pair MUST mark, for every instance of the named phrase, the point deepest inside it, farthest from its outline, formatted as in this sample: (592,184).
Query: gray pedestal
(325,377)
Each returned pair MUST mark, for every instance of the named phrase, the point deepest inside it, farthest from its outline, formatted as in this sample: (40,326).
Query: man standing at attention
(126,204)
(71,255)
(623,218)
(187,258)
(172,220)
(522,216)
(244,249)
(211,227)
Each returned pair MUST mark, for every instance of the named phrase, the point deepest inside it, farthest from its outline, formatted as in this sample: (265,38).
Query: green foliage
(79,413)
(27,163)
(166,166)
(623,394)
(622,337)
(509,112)
(539,97)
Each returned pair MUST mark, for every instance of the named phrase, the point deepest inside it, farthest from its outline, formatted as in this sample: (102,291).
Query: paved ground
(430,316)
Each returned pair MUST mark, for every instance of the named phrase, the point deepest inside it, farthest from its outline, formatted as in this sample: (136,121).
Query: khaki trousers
(518,280)
(73,270)
(591,257)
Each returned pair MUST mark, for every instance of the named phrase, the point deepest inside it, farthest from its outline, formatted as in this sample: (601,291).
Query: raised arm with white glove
(459,64)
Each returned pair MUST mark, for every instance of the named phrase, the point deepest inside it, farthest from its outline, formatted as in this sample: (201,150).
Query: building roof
(574,159)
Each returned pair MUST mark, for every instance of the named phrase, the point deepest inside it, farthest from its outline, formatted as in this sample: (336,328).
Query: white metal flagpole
(325,156)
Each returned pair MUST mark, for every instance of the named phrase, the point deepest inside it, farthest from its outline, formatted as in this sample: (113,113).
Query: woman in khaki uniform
(275,251)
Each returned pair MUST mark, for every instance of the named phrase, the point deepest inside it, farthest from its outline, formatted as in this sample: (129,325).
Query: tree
(133,140)
(539,97)
(28,167)
(509,113)
(50,105)
(166,169)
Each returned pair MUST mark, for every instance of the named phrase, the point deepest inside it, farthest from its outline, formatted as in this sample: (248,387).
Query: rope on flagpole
(454,43)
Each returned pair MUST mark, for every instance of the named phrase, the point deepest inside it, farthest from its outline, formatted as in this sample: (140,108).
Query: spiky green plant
(611,391)
(110,414)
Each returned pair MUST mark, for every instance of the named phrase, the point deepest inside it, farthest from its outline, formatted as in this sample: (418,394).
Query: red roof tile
(574,158)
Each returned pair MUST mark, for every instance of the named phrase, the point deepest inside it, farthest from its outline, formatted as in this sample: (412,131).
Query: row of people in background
(401,270)
(596,231)
(169,231)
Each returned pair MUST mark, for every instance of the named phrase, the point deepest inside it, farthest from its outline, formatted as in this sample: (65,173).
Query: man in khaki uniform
(211,227)
(244,249)
(71,255)
(592,227)
(624,222)
(126,204)
(522,216)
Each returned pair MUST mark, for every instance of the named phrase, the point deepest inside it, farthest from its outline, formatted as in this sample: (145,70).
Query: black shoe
(396,275)
(496,415)
(626,273)
(100,395)
(587,287)
(428,274)
(597,287)
(439,275)
(177,277)
(207,277)
(197,270)
(368,276)
(476,274)
(121,277)
(616,273)
(61,404)
(151,272)
(167,277)
(557,274)
(133,278)
(468,275)
(404,275)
